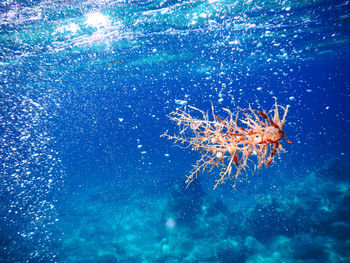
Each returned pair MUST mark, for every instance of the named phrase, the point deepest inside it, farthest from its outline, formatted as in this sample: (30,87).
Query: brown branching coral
(244,136)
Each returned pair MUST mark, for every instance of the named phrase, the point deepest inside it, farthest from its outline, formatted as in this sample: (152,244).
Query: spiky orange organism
(231,142)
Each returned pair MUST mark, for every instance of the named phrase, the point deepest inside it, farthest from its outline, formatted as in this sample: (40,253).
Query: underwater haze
(86,88)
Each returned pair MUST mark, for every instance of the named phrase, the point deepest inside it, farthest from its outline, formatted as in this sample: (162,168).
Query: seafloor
(302,221)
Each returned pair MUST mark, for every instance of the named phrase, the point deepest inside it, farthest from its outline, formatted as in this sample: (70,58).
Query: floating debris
(116,62)
(227,144)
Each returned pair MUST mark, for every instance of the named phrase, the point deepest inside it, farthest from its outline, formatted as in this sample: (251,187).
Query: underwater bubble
(170,223)
(181,102)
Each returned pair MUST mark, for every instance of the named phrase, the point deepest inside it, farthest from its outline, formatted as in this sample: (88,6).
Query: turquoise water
(85,90)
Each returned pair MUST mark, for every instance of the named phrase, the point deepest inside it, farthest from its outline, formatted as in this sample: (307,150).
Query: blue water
(85,89)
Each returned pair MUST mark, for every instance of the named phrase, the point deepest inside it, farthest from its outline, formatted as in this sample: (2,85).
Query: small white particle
(234,42)
(181,102)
